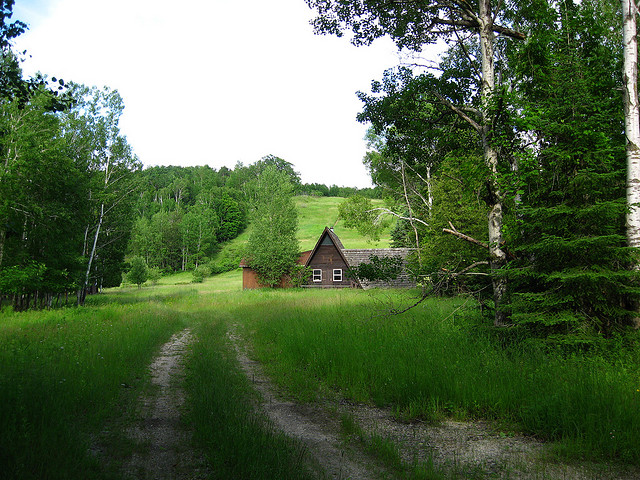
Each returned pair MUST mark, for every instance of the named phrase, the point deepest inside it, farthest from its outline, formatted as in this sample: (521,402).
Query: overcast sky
(215,82)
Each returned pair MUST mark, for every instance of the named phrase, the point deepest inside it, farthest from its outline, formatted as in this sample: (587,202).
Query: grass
(433,362)
(61,375)
(314,214)
(239,442)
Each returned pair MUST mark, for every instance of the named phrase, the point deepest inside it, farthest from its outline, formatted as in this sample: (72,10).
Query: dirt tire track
(166,452)
(474,448)
(317,430)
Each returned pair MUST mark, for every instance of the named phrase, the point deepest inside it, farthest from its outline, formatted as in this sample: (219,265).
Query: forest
(504,163)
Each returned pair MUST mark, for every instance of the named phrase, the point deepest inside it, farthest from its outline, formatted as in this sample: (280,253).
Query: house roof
(355,257)
(328,232)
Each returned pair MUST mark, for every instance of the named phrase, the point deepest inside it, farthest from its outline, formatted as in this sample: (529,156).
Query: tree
(358,212)
(570,274)
(199,226)
(279,164)
(413,25)
(94,137)
(632,120)
(139,272)
(273,247)
(42,196)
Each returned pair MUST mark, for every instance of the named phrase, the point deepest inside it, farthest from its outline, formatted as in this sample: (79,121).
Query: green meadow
(66,374)
(70,378)
(316,213)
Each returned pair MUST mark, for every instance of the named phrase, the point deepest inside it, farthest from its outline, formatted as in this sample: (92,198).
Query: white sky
(213,82)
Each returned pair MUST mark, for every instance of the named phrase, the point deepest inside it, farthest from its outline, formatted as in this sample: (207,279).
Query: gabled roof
(327,234)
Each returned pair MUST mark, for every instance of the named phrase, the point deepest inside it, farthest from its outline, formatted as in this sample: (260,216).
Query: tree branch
(386,211)
(462,236)
(476,126)
(507,32)
(470,267)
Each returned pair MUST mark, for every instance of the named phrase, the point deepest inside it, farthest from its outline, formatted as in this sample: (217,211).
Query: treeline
(184,214)
(66,188)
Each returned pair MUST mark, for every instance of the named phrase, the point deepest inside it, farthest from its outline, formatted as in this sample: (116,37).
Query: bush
(197,276)
(154,275)
(139,271)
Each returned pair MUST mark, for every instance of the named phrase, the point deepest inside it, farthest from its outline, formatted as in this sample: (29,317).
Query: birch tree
(632,119)
(93,133)
(414,24)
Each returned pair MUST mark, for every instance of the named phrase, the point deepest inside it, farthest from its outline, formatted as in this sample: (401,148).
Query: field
(65,374)
(72,378)
(316,213)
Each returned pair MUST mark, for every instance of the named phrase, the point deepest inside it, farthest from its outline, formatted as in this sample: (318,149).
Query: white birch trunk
(85,288)
(497,256)
(631,120)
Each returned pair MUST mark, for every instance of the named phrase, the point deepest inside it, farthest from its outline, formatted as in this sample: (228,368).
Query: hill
(314,213)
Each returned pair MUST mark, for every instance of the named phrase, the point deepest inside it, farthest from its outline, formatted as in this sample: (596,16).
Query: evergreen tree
(571,272)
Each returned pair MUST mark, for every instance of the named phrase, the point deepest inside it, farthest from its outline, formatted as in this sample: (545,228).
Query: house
(329,263)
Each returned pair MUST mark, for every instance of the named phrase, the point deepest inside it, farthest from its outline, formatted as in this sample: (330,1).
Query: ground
(468,449)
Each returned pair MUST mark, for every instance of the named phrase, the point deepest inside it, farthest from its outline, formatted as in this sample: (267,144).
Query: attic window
(317,275)
(337,274)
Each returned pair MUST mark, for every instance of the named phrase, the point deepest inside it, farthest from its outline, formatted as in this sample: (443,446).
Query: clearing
(463,449)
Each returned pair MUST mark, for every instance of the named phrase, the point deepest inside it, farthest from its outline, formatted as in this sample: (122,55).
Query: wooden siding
(327,258)
(328,255)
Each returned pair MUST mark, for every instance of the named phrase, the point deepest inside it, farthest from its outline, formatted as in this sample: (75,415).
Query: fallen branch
(462,236)
(472,266)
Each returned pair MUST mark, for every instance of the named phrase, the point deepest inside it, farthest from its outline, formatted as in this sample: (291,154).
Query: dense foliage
(65,184)
(554,123)
(571,271)
(273,247)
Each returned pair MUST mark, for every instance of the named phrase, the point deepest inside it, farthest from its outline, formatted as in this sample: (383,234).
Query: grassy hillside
(315,213)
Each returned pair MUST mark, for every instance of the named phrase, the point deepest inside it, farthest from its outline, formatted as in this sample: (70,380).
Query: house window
(317,275)
(337,274)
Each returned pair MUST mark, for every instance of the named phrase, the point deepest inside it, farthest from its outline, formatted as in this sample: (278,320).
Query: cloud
(216,82)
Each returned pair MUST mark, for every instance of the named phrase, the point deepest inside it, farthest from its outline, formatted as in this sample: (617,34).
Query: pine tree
(571,272)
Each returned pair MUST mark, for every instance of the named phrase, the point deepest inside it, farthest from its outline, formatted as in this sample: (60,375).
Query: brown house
(329,262)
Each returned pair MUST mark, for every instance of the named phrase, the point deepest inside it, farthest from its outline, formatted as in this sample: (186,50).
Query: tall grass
(62,374)
(432,361)
(239,442)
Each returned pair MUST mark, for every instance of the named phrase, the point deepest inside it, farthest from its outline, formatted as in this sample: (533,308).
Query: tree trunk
(497,257)
(631,120)
(83,292)
(3,236)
